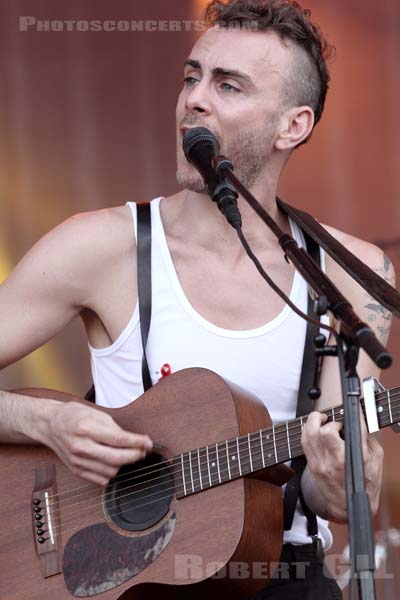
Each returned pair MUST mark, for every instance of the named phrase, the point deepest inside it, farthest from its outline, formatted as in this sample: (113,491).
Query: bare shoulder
(368,253)
(78,252)
(70,269)
(90,236)
(105,230)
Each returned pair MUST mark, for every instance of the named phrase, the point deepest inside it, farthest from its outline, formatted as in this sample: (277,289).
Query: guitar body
(146,551)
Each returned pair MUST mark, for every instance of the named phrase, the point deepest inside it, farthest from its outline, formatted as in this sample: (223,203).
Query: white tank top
(266,360)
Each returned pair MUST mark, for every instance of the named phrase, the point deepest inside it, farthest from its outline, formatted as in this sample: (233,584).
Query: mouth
(186,128)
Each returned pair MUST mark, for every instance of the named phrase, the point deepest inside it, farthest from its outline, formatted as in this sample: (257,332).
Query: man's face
(233,85)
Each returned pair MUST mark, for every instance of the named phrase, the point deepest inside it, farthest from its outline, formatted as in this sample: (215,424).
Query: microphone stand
(354,334)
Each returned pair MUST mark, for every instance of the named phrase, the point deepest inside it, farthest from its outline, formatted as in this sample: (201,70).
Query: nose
(198,99)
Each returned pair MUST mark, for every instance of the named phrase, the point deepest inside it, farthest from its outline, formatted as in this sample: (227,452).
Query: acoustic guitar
(200,517)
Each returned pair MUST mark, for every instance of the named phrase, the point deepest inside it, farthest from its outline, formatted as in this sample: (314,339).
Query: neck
(197,213)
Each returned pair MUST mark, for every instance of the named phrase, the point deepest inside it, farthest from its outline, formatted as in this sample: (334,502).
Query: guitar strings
(154,479)
(281,441)
(60,528)
(279,429)
(196,480)
(110,514)
(296,447)
(159,499)
(171,466)
(256,454)
(277,426)
(148,470)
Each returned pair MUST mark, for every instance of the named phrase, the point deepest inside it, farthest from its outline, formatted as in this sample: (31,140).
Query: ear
(295,126)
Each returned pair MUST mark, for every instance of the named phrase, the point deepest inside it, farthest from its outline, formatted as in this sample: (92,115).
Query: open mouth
(188,127)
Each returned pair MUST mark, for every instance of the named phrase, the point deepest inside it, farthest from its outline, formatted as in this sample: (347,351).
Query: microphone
(201,149)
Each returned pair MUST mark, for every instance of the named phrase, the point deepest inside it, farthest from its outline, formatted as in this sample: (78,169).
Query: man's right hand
(55,282)
(90,443)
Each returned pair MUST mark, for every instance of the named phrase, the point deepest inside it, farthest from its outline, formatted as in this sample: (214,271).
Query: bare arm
(39,298)
(57,279)
(323,479)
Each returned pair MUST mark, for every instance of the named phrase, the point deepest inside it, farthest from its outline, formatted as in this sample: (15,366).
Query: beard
(248,149)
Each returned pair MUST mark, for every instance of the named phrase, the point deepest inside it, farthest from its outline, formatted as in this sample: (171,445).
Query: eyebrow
(219,71)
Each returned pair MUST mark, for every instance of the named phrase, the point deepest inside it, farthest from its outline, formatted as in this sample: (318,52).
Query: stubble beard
(249,152)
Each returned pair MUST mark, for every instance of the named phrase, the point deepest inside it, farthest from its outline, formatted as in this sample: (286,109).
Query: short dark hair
(309,83)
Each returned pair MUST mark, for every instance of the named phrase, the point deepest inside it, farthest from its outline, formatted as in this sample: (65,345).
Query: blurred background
(87,121)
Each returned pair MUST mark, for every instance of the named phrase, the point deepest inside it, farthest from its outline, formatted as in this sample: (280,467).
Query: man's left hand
(323,482)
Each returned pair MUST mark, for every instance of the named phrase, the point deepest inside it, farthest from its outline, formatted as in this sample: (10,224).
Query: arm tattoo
(377,313)
(386,264)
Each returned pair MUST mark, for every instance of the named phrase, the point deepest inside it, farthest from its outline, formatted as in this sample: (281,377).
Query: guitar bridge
(45,520)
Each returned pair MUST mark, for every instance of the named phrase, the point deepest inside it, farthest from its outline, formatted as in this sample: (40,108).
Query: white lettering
(26,22)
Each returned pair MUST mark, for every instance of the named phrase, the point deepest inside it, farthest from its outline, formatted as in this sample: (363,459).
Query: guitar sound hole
(140,495)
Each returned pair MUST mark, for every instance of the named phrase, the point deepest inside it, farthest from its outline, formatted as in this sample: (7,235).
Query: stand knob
(321,305)
(314,393)
(319,340)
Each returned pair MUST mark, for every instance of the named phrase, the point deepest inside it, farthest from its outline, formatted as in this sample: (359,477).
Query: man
(260,92)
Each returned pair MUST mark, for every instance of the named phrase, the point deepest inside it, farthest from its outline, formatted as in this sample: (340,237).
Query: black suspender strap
(304,406)
(144,281)
(144,287)
(91,394)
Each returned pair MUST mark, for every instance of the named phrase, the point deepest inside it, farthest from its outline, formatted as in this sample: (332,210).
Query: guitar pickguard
(97,559)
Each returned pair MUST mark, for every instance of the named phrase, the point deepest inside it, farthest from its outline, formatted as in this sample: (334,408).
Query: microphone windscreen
(199,142)
(200,147)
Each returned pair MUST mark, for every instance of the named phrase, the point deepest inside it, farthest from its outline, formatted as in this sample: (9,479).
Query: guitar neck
(224,461)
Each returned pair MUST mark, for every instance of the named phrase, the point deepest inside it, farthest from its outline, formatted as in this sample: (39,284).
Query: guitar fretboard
(218,463)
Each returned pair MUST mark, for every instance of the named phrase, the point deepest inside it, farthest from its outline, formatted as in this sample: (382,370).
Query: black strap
(91,394)
(375,285)
(304,406)
(144,288)
(144,281)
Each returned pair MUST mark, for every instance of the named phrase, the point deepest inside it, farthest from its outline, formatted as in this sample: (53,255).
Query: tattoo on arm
(386,271)
(380,316)
(378,312)
(386,263)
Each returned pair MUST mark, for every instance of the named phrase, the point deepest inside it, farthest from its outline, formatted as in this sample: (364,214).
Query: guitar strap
(376,286)
(144,281)
(304,406)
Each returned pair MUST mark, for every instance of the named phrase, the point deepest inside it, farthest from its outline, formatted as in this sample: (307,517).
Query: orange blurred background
(87,121)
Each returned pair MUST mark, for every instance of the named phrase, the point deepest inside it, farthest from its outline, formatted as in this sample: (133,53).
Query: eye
(228,87)
(190,81)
